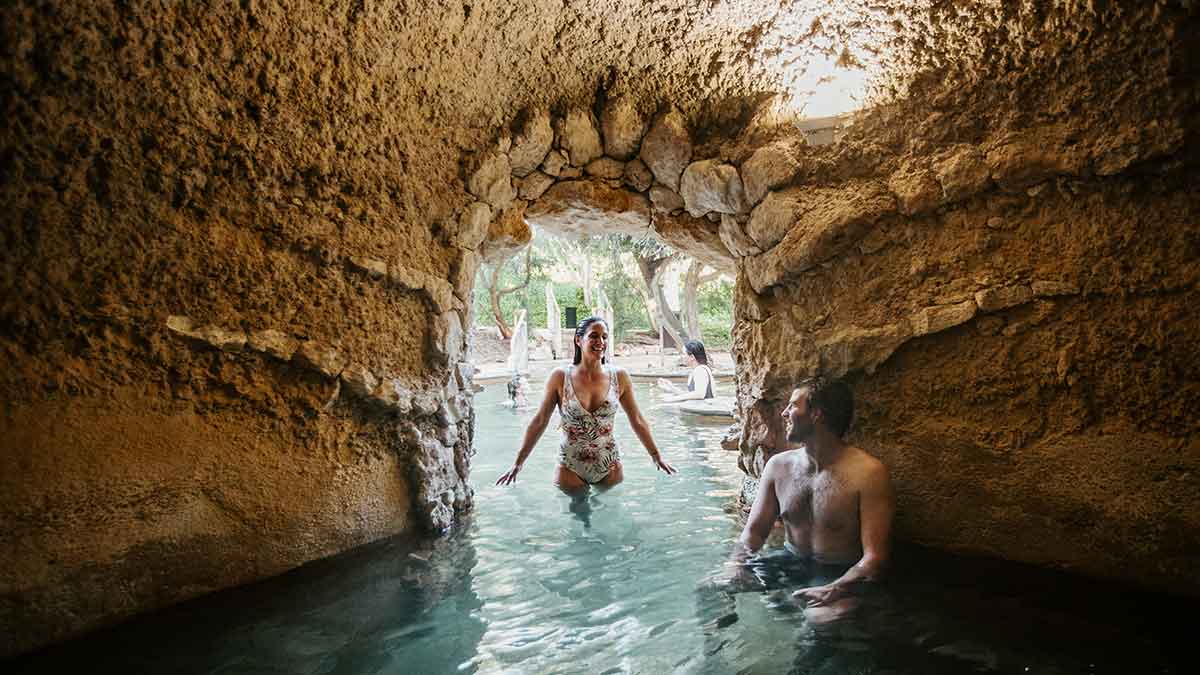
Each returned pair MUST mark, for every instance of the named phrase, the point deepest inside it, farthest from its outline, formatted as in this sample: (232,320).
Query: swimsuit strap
(569,388)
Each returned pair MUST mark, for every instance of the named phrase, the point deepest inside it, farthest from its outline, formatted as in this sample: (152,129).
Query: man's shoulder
(867,466)
(783,461)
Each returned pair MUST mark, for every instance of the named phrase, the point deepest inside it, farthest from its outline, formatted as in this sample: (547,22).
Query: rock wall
(1004,267)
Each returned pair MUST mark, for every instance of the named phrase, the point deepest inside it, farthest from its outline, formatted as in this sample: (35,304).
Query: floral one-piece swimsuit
(588,447)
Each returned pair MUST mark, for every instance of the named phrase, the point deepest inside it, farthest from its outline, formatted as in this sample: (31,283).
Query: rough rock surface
(667,148)
(665,199)
(507,233)
(638,176)
(532,144)
(622,126)
(256,167)
(771,166)
(578,137)
(589,207)
(711,186)
(824,223)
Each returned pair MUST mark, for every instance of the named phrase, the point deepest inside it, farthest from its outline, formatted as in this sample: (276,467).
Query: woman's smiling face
(595,340)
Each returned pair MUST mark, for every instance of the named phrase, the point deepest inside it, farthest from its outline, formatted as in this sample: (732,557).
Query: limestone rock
(180,325)
(605,167)
(842,350)
(320,357)
(622,126)
(1045,289)
(464,374)
(781,212)
(963,173)
(274,343)
(665,199)
(446,337)
(577,135)
(464,274)
(771,166)
(213,336)
(735,239)
(940,317)
(996,299)
(712,186)
(533,185)
(507,234)
(584,208)
(369,266)
(425,403)
(916,190)
(772,219)
(393,394)
(436,481)
(828,221)
(1031,156)
(554,163)
(359,381)
(667,148)
(440,293)
(225,340)
(570,173)
(473,225)
(698,238)
(637,175)
(492,180)
(530,146)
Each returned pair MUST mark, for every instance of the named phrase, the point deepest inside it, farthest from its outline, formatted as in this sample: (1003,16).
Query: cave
(241,241)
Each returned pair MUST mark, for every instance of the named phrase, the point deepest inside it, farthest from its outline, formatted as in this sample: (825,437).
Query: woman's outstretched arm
(640,427)
(537,425)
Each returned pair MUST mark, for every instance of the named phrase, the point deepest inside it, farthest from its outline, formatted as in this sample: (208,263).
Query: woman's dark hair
(696,349)
(582,330)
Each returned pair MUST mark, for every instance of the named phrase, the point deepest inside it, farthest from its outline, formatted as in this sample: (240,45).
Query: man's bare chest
(822,502)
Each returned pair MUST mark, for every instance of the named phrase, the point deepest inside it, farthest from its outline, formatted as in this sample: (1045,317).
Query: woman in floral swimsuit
(586,395)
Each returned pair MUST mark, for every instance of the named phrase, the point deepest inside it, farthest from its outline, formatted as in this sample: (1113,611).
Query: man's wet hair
(834,398)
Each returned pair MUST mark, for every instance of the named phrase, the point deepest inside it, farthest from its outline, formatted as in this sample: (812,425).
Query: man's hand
(821,595)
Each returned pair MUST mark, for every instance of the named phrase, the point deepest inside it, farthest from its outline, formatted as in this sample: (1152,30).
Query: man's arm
(762,515)
(877,505)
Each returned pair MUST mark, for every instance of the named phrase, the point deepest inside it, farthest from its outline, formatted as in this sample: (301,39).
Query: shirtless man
(836,501)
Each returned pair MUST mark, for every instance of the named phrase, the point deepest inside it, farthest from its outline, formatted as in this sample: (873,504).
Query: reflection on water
(539,582)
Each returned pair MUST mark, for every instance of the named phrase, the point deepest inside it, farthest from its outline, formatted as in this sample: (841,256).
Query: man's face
(798,419)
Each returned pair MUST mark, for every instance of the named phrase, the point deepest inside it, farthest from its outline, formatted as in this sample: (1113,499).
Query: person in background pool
(701,383)
(517,387)
(835,500)
(587,394)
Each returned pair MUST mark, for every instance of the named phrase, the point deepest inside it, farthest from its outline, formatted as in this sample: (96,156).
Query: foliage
(716,313)
(551,256)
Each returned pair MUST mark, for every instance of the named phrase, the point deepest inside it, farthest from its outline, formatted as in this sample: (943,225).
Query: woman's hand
(661,463)
(510,477)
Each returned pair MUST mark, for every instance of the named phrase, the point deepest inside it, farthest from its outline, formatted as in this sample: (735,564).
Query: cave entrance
(656,297)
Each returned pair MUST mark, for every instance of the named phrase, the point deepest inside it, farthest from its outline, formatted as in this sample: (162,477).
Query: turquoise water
(536,584)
